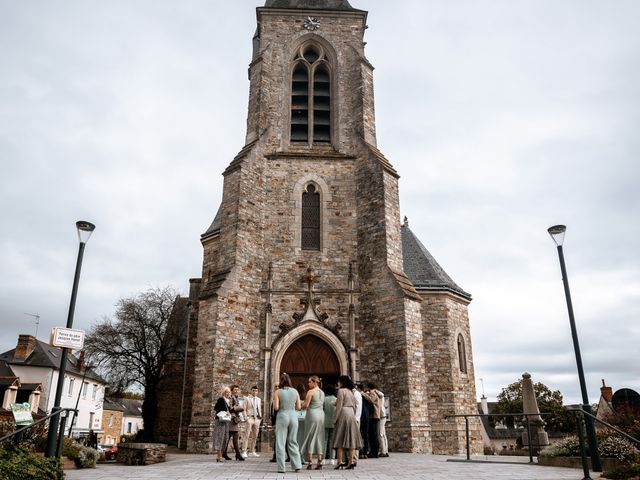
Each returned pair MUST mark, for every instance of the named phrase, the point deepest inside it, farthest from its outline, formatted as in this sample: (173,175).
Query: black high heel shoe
(239,457)
(340,466)
(351,466)
(226,457)
(309,466)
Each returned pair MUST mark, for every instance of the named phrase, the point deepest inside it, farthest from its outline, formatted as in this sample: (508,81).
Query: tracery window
(311,96)
(462,354)
(310,219)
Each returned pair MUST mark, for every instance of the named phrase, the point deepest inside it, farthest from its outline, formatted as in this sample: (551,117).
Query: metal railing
(526,415)
(580,419)
(63,413)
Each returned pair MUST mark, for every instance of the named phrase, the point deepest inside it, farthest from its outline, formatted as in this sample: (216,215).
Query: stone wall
(451,391)
(141,453)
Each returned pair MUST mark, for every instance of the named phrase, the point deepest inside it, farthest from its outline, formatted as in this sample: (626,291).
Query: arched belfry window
(311,96)
(462,354)
(310,218)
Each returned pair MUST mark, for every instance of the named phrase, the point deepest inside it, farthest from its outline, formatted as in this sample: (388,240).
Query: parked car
(109,451)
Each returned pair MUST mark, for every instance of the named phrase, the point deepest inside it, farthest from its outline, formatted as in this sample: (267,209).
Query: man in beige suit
(253,410)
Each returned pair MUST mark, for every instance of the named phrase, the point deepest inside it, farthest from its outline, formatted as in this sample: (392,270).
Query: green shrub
(17,463)
(7,426)
(70,448)
(628,472)
(87,457)
(609,446)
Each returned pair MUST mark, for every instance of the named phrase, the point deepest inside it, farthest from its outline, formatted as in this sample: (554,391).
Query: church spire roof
(310,4)
(422,269)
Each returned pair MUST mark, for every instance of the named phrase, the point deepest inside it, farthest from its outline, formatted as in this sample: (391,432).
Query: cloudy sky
(503,117)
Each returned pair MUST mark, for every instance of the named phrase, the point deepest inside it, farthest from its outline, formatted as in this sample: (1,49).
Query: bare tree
(132,348)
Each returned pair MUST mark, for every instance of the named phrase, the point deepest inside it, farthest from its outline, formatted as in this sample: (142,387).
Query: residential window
(129,427)
(462,354)
(85,387)
(70,393)
(110,421)
(91,417)
(95,391)
(311,96)
(310,219)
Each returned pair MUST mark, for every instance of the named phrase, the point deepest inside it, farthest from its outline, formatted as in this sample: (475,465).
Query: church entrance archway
(310,355)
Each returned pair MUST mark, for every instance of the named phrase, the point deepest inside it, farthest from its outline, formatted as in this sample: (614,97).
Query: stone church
(307,266)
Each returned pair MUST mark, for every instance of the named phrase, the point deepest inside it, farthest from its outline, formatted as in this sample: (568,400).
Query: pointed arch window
(311,97)
(462,354)
(310,218)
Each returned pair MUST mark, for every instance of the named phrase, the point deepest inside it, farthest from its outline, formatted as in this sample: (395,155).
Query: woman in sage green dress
(313,443)
(286,402)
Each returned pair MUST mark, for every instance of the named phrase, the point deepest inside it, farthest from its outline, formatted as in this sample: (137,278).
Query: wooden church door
(310,355)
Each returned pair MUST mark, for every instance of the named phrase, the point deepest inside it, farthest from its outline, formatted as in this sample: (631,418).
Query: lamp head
(557,234)
(85,229)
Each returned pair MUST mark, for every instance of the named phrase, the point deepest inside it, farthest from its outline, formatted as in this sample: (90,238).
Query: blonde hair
(317,380)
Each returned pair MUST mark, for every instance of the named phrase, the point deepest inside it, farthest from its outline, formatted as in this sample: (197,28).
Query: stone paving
(398,466)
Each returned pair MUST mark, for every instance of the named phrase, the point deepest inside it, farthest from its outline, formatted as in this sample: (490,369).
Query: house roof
(5,370)
(45,355)
(112,404)
(128,406)
(133,408)
(310,4)
(423,270)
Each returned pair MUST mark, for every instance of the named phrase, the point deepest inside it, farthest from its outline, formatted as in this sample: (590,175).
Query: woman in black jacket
(221,426)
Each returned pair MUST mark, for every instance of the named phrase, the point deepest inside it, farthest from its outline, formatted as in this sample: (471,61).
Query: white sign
(67,337)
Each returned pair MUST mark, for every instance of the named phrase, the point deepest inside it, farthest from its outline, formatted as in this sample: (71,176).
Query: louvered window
(310,219)
(311,97)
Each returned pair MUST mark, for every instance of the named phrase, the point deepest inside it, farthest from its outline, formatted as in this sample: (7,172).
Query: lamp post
(557,234)
(85,229)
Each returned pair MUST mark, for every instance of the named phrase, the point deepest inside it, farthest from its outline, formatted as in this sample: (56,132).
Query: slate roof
(310,4)
(44,355)
(132,407)
(422,269)
(5,370)
(215,225)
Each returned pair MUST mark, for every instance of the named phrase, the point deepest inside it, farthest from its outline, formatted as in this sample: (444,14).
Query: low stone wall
(141,453)
(608,464)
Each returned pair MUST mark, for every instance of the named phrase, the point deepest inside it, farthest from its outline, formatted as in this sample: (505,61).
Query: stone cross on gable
(309,301)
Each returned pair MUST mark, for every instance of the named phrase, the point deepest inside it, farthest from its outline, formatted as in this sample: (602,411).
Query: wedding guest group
(333,426)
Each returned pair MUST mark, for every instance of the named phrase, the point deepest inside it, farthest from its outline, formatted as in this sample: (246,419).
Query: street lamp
(85,229)
(557,234)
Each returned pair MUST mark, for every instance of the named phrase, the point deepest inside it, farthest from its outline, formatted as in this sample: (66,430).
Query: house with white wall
(35,362)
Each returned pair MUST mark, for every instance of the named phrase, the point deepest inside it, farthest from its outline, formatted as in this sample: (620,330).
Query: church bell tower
(303,268)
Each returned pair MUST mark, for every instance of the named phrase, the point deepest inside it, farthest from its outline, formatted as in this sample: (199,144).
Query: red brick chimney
(606,392)
(26,345)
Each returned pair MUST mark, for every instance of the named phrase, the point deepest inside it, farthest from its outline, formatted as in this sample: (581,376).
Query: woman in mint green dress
(286,402)
(313,443)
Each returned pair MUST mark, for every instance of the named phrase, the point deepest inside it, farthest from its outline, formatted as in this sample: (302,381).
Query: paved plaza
(398,466)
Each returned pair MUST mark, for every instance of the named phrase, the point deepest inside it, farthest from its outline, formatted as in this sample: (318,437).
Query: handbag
(224,416)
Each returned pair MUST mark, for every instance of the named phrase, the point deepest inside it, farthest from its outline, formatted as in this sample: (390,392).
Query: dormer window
(311,97)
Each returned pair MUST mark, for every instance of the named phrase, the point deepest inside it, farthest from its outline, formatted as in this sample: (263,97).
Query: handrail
(466,422)
(633,439)
(44,419)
